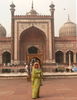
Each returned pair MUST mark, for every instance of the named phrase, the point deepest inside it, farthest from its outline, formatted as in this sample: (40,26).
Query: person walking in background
(36,80)
(28,70)
(26,67)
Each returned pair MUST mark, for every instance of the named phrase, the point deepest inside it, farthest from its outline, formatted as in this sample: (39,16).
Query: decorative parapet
(66,39)
(4,39)
(33,16)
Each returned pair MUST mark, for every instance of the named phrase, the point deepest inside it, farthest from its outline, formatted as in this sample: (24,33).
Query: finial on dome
(32,11)
(67,14)
(68,17)
(32,4)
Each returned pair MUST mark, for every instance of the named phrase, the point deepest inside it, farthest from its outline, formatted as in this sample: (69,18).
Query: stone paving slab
(54,89)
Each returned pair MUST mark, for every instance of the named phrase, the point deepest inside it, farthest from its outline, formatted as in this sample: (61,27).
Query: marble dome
(2,31)
(68,29)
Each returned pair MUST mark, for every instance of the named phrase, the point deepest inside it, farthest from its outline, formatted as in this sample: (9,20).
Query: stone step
(46,75)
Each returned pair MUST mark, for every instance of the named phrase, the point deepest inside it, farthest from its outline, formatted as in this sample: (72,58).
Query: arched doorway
(32,43)
(32,50)
(6,57)
(67,57)
(59,57)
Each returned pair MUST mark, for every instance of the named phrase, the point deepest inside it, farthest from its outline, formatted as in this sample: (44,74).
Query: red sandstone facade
(32,35)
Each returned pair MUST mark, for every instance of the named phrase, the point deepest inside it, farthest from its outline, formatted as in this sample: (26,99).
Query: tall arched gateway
(32,44)
(33,30)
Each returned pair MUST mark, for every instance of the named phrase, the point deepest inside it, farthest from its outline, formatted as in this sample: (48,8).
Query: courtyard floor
(54,89)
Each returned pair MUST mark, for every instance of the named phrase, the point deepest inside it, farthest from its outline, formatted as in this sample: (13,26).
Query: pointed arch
(32,41)
(59,57)
(33,29)
(6,57)
(33,50)
(67,56)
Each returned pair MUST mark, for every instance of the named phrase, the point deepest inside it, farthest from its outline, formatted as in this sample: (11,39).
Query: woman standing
(36,80)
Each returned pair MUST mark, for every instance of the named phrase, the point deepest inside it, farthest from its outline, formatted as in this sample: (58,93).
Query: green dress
(36,82)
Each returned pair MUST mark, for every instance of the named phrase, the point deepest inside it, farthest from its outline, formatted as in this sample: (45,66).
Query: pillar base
(12,61)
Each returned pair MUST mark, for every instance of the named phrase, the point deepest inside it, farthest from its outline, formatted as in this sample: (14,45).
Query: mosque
(32,36)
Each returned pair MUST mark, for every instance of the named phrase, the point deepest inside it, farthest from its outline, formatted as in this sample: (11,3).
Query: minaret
(12,6)
(12,9)
(52,9)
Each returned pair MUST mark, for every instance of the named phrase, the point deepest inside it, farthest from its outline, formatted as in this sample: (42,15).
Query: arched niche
(6,57)
(67,56)
(33,50)
(32,40)
(59,57)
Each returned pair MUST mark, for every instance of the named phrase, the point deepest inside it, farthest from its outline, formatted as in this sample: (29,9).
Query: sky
(42,7)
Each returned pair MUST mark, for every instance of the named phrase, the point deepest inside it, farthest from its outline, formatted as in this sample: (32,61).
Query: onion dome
(68,29)
(2,31)
(32,11)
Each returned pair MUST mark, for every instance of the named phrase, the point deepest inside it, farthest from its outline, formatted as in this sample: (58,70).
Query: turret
(12,9)
(52,9)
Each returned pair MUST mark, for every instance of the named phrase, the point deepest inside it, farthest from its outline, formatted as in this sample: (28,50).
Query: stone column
(0,59)
(47,52)
(0,63)
(69,58)
(18,50)
(64,57)
(74,60)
